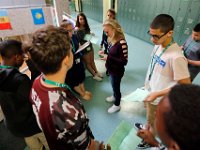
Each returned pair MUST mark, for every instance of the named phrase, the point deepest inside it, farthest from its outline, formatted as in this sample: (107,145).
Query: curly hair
(183,119)
(50,45)
(87,28)
(164,22)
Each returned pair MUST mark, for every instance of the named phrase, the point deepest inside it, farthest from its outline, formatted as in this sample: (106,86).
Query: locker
(190,20)
(180,19)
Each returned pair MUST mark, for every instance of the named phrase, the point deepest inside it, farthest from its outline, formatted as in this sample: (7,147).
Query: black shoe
(143,145)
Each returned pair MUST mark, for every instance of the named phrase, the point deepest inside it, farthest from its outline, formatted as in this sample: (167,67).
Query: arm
(194,62)
(153,95)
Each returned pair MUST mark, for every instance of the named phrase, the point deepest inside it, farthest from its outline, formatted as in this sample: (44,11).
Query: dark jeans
(115,82)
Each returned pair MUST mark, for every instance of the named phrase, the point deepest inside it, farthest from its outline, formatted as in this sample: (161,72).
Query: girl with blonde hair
(116,60)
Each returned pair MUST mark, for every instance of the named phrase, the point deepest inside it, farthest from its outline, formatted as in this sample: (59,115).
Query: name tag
(77,60)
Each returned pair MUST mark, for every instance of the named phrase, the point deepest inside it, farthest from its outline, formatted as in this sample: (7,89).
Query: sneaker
(97,78)
(113,109)
(139,126)
(143,145)
(99,75)
(110,99)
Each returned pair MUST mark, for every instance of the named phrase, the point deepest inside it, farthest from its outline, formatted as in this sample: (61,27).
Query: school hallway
(102,123)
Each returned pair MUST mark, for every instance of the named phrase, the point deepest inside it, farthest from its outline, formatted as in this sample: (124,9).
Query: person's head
(178,119)
(51,50)
(68,26)
(196,33)
(111,14)
(161,28)
(113,30)
(81,21)
(12,53)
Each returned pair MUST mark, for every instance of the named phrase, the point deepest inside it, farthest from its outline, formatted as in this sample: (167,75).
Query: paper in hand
(138,95)
(82,47)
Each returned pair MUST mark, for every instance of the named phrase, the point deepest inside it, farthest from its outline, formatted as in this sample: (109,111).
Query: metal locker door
(190,20)
(180,19)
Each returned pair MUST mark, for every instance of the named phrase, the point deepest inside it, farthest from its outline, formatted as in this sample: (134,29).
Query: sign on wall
(38,16)
(4,20)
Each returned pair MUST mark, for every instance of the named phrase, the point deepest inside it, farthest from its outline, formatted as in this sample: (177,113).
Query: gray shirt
(192,51)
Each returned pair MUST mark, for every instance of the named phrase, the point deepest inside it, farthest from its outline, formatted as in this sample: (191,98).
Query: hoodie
(14,100)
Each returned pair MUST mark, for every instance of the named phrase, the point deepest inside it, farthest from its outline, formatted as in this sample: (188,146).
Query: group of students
(53,111)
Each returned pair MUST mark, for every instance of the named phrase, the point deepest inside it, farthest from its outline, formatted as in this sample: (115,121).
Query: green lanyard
(8,67)
(153,63)
(73,46)
(62,85)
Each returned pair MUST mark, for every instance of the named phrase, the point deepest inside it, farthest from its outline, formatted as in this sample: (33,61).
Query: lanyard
(8,67)
(153,63)
(62,85)
(73,46)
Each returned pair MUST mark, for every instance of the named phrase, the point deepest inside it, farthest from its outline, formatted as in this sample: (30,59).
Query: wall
(22,22)
(21,3)
(93,9)
(135,16)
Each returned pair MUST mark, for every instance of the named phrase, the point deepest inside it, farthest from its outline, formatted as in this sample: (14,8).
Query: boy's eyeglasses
(156,37)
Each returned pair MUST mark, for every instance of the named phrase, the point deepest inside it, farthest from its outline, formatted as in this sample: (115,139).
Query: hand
(102,147)
(150,98)
(95,145)
(148,137)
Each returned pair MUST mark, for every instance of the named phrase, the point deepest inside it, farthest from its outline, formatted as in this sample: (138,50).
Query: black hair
(87,28)
(183,119)
(197,28)
(50,46)
(9,48)
(164,22)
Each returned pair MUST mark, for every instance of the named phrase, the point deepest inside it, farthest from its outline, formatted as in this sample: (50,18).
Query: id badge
(77,60)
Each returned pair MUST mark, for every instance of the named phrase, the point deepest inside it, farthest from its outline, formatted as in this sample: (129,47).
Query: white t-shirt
(171,67)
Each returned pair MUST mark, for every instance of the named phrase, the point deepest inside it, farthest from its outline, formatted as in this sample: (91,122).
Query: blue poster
(38,16)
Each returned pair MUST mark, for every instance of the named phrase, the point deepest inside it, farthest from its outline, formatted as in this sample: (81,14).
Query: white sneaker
(113,109)
(110,99)
(99,75)
(97,78)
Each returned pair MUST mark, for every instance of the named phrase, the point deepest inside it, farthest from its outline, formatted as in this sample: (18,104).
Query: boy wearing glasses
(168,67)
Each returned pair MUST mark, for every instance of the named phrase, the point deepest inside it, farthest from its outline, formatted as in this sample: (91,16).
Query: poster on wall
(4,20)
(38,16)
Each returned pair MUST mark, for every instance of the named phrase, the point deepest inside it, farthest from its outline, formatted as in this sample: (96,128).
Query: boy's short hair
(9,48)
(164,22)
(197,28)
(50,45)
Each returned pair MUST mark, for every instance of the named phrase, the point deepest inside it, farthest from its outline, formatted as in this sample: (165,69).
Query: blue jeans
(115,82)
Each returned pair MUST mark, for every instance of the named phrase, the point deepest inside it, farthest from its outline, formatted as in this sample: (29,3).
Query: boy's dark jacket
(14,100)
